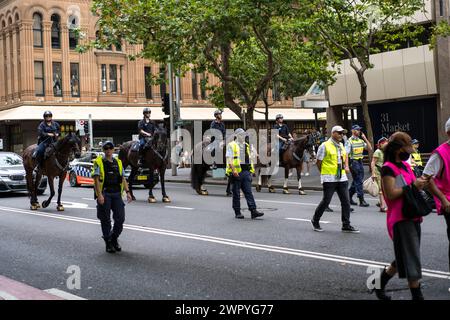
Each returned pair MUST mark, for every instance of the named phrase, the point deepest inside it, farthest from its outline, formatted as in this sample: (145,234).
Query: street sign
(179,123)
(79,126)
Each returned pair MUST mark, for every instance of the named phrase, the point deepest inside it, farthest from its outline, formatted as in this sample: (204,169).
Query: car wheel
(73,180)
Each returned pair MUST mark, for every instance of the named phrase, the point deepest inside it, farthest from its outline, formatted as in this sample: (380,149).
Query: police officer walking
(332,162)
(48,132)
(109,184)
(146,129)
(241,174)
(355,147)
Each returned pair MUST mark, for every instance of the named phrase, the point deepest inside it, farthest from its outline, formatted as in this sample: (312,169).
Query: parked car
(12,174)
(80,171)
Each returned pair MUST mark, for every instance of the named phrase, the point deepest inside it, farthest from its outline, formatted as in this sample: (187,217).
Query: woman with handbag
(396,175)
(376,165)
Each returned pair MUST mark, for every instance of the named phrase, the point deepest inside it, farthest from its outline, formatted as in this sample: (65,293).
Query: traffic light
(166,104)
(86,127)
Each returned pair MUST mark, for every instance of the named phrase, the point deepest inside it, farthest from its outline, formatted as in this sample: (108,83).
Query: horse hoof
(33,207)
(37,205)
(204,193)
(258,188)
(45,204)
(166,200)
(60,208)
(286,191)
(151,200)
(301,192)
(133,198)
(271,189)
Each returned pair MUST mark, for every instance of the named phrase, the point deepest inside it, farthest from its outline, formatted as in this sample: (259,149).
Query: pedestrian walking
(438,169)
(241,172)
(405,232)
(332,162)
(109,184)
(355,147)
(376,165)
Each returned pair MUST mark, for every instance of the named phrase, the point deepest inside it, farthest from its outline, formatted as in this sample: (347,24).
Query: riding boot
(381,293)
(416,293)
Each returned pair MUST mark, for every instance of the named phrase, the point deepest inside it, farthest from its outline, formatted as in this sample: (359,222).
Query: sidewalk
(311,182)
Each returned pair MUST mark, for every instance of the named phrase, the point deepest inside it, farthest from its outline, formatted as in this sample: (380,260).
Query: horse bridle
(156,151)
(65,168)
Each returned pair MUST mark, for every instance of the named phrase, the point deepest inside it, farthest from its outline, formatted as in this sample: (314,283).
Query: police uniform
(111,177)
(148,127)
(44,140)
(355,148)
(219,126)
(283,131)
(245,169)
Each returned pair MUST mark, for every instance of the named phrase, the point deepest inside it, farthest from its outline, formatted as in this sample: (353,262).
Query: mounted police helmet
(279,116)
(146,110)
(48,114)
(217,112)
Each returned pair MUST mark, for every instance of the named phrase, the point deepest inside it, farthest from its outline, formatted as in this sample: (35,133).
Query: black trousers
(329,188)
(114,203)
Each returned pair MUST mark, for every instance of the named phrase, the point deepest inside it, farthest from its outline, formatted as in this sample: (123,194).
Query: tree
(245,43)
(349,29)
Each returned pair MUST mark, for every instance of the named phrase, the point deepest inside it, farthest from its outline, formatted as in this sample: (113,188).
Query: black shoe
(380,292)
(417,293)
(316,226)
(115,244)
(328,209)
(363,203)
(349,229)
(353,203)
(238,215)
(351,209)
(256,214)
(109,246)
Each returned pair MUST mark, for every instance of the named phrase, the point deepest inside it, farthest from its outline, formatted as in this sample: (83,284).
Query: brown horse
(155,158)
(292,157)
(55,165)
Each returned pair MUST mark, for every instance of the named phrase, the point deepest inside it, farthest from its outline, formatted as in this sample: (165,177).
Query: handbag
(414,204)
(371,187)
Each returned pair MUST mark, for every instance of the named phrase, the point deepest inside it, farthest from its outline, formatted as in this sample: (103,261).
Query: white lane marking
(297,203)
(63,294)
(6,296)
(180,208)
(75,205)
(236,243)
(307,220)
(90,199)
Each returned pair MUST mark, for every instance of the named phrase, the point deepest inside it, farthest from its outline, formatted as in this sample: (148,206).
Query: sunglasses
(340,133)
(147,112)
(108,148)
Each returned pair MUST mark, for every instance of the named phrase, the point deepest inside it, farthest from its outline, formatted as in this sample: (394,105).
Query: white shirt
(321,153)
(434,165)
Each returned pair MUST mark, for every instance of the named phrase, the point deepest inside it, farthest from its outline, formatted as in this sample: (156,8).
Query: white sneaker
(303,173)
(306,174)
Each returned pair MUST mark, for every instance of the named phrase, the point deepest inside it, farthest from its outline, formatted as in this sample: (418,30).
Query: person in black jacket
(146,129)
(218,125)
(48,132)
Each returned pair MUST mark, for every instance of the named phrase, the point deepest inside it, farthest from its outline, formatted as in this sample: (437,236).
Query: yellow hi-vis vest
(330,162)
(98,162)
(357,148)
(417,159)
(236,158)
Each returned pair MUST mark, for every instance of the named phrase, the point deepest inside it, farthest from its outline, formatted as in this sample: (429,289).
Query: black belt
(359,160)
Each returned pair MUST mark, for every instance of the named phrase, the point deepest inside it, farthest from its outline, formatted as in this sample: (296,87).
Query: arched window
(73,37)
(56,31)
(37,30)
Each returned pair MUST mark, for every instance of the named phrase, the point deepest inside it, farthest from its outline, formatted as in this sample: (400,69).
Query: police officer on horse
(218,125)
(146,129)
(284,135)
(48,132)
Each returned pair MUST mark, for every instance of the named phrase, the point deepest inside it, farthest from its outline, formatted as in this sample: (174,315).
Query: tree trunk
(250,122)
(365,110)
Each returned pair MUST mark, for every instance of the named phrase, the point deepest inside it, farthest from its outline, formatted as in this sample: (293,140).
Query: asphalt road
(193,248)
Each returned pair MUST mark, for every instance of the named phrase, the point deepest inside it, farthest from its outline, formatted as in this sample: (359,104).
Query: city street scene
(234,151)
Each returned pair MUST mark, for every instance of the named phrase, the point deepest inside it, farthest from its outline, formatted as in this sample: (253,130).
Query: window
(194,86)
(203,83)
(113,78)
(37,30)
(57,79)
(441,8)
(148,85)
(75,79)
(56,31)
(121,79)
(39,78)
(104,87)
(119,45)
(73,37)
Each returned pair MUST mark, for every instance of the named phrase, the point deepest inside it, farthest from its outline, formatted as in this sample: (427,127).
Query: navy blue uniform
(283,131)
(219,126)
(148,127)
(44,139)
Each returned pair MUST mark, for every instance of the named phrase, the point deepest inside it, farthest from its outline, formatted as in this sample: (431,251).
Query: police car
(80,171)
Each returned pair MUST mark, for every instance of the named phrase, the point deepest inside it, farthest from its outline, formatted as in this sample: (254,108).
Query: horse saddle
(49,151)
(135,147)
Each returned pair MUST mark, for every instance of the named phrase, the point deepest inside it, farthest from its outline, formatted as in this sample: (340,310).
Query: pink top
(394,212)
(443,180)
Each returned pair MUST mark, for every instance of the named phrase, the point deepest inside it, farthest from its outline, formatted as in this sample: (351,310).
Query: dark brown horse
(53,166)
(156,152)
(292,157)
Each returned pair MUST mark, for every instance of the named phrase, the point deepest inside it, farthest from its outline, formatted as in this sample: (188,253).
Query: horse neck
(62,150)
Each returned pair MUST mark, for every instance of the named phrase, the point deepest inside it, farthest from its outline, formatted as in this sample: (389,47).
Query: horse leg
(286,179)
(52,192)
(59,206)
(131,179)
(162,171)
(35,188)
(151,197)
(31,190)
(299,178)
(203,190)
(258,174)
(269,184)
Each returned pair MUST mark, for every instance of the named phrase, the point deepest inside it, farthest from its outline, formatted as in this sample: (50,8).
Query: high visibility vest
(417,159)
(236,158)
(98,162)
(330,162)
(357,148)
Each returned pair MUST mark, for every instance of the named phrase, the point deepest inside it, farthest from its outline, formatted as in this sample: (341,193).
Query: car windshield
(10,159)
